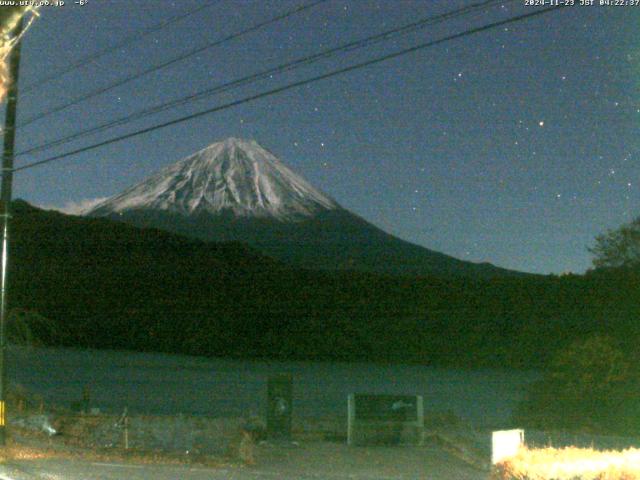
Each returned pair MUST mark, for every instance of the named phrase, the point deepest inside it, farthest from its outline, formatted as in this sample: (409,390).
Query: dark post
(86,399)
(279,407)
(5,211)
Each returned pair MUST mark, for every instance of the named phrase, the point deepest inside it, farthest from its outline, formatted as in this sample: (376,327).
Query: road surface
(313,462)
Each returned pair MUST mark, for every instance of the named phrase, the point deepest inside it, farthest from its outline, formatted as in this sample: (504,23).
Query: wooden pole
(5,212)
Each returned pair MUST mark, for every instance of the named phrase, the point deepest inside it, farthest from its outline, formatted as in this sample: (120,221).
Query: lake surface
(171,384)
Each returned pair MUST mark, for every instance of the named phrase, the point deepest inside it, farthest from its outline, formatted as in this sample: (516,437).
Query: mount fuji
(236,190)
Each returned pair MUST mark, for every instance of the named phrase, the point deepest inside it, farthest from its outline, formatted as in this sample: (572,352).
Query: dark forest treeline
(108,285)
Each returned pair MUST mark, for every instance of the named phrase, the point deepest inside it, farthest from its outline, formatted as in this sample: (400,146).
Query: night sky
(514,146)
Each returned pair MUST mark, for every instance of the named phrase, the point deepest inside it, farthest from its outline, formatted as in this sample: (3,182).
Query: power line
(267,73)
(92,57)
(290,86)
(176,59)
(307,60)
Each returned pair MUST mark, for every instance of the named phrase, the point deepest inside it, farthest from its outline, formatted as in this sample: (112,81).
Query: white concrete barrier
(505,444)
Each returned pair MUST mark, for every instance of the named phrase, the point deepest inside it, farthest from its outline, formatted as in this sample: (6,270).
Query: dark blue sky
(514,146)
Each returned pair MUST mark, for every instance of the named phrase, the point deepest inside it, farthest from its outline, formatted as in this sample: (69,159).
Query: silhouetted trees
(618,248)
(589,384)
(103,284)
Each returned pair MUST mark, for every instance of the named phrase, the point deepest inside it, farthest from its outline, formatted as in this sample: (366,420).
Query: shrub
(589,385)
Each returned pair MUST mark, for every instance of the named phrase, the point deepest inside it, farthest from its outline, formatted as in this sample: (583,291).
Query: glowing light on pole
(9,39)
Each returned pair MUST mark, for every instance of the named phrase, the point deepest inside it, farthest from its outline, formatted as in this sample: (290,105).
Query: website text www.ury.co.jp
(36,3)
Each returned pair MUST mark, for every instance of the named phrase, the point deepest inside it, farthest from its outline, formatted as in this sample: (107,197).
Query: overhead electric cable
(92,57)
(179,58)
(300,83)
(307,60)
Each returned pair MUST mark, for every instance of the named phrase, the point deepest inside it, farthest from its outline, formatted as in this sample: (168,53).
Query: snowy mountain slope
(235,190)
(236,176)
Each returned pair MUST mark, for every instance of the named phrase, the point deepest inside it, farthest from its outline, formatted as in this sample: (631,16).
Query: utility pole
(5,212)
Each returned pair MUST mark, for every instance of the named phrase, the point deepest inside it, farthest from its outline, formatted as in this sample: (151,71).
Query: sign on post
(384,419)
(279,407)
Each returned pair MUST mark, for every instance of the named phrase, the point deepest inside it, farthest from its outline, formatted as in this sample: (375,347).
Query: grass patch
(13,451)
(570,464)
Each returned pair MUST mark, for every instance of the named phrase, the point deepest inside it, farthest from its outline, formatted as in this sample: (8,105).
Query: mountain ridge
(236,190)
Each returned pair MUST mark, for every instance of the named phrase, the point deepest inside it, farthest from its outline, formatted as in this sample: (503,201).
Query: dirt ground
(331,459)
(318,448)
(309,460)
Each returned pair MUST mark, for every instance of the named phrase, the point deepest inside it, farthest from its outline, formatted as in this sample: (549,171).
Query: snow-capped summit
(235,176)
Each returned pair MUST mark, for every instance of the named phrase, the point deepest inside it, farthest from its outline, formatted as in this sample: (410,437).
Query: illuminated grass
(18,452)
(570,464)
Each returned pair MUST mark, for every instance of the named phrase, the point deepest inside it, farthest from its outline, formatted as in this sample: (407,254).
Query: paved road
(366,464)
(77,470)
